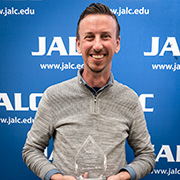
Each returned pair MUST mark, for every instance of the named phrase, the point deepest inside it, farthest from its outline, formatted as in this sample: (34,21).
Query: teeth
(97,56)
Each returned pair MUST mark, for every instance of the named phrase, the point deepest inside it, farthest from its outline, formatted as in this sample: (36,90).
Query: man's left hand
(123,175)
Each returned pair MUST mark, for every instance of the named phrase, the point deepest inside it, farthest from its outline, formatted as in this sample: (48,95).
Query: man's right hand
(61,177)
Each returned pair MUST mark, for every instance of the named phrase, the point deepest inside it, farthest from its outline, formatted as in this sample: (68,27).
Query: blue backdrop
(37,49)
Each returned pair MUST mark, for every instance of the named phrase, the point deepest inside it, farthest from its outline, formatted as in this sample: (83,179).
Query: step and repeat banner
(38,49)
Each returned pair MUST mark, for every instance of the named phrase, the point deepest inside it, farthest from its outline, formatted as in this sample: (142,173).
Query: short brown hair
(98,8)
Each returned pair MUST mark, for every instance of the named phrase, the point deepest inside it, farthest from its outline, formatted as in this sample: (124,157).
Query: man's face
(97,42)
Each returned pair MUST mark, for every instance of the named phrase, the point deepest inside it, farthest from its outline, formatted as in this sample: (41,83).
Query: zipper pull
(95,99)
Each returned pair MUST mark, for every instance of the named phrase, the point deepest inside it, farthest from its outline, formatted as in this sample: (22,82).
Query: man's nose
(97,46)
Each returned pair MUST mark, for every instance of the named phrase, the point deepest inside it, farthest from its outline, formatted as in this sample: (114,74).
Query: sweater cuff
(130,170)
(50,173)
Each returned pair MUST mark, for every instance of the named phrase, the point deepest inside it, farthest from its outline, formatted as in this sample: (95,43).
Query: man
(92,104)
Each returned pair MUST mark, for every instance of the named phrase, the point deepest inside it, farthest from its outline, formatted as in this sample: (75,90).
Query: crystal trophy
(90,159)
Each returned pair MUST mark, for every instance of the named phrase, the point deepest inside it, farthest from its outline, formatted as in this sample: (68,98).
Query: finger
(85,175)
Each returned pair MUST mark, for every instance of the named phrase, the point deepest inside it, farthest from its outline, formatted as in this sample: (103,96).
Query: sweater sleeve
(140,141)
(38,139)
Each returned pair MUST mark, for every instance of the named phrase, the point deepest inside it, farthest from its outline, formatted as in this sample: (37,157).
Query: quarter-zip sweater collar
(92,89)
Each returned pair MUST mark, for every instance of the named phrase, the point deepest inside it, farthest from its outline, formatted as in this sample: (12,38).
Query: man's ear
(78,48)
(117,44)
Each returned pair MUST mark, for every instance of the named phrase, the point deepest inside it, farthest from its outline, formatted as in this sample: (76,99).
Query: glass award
(90,159)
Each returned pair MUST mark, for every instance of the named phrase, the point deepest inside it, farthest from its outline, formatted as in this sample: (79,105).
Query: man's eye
(106,36)
(89,37)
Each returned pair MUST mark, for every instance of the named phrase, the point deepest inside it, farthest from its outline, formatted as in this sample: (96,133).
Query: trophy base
(99,178)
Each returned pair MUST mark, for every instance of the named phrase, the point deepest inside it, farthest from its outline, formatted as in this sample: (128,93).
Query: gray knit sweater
(69,112)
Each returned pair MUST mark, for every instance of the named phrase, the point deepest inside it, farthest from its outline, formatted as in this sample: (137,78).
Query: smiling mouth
(96,56)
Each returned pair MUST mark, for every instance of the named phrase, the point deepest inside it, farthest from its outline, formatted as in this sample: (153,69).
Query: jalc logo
(34,99)
(164,152)
(6,102)
(57,45)
(170,45)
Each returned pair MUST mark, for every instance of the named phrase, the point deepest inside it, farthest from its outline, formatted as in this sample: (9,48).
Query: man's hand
(123,175)
(61,177)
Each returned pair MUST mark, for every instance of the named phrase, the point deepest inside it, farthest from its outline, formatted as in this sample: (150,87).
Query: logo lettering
(165,152)
(170,45)
(143,99)
(33,102)
(57,45)
(5,101)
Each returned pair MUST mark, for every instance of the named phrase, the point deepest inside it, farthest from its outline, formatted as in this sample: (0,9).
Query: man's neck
(94,79)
